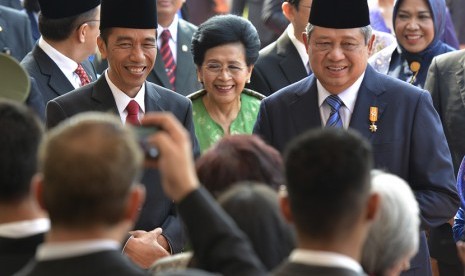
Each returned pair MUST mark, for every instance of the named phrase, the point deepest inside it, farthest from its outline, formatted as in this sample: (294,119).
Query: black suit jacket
(50,79)
(16,253)
(109,262)
(15,36)
(158,210)
(186,73)
(278,65)
(409,141)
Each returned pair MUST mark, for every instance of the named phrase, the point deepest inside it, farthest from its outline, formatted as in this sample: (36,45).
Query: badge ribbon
(373,117)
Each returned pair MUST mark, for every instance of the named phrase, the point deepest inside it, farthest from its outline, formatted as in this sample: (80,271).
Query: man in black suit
(88,184)
(128,42)
(181,33)
(15,33)
(399,119)
(22,223)
(284,61)
(69,33)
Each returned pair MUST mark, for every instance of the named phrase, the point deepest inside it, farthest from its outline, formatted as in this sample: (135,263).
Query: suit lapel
(57,80)
(460,78)
(101,93)
(184,58)
(159,71)
(152,98)
(304,108)
(368,96)
(291,63)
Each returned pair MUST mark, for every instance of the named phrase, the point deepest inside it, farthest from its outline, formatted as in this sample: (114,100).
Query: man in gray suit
(69,34)
(15,33)
(284,61)
(128,42)
(180,45)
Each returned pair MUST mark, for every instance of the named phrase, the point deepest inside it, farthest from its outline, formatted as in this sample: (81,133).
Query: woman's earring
(248,81)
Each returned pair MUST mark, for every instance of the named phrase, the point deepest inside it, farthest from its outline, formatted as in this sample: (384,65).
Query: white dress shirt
(348,97)
(61,250)
(301,48)
(173,28)
(324,258)
(66,65)
(24,228)
(122,100)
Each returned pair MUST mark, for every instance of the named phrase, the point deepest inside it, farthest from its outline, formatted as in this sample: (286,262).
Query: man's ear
(102,47)
(135,201)
(37,186)
(81,32)
(370,43)
(285,207)
(373,204)
(288,11)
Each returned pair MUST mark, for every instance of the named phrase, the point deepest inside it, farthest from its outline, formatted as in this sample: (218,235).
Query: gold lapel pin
(373,118)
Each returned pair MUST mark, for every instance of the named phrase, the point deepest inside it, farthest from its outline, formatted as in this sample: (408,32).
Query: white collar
(300,47)
(173,28)
(122,99)
(61,250)
(66,65)
(324,258)
(348,96)
(24,228)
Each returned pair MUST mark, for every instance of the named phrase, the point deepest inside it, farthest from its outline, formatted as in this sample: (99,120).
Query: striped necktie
(334,119)
(167,56)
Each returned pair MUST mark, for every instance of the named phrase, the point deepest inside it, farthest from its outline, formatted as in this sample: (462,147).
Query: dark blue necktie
(334,119)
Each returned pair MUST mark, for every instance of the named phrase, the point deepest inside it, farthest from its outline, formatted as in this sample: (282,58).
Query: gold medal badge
(373,117)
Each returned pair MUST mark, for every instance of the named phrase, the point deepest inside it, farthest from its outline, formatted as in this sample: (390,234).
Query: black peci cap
(339,14)
(56,9)
(140,14)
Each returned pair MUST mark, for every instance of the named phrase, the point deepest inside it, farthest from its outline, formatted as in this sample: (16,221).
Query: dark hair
(238,158)
(21,134)
(60,29)
(255,209)
(328,180)
(225,29)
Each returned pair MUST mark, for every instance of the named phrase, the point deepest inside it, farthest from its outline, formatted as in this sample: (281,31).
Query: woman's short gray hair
(395,231)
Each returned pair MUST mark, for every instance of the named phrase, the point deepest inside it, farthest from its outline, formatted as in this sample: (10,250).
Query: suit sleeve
(35,100)
(172,228)
(262,126)
(432,175)
(54,114)
(219,245)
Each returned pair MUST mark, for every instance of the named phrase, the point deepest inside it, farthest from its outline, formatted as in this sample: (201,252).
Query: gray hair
(367,32)
(395,231)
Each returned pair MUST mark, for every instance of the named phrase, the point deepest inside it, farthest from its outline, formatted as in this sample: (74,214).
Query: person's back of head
(328,183)
(262,222)
(89,164)
(239,158)
(21,135)
(393,238)
(59,19)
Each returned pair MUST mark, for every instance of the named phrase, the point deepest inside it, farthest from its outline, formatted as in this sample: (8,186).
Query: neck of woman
(222,113)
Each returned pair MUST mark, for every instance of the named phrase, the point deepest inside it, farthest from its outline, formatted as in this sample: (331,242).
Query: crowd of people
(282,137)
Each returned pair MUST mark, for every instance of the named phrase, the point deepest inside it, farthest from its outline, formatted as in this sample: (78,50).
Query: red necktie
(167,57)
(133,113)
(82,75)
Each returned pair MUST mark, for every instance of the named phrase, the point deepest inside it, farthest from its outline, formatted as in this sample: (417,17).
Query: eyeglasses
(217,68)
(327,46)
